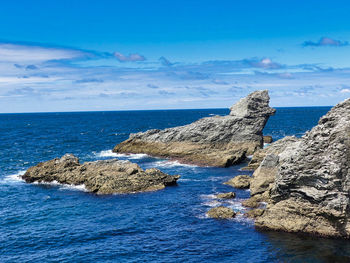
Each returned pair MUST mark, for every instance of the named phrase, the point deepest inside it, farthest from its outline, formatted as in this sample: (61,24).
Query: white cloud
(24,54)
(62,86)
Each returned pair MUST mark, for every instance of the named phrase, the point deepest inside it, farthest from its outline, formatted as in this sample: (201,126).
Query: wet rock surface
(213,141)
(100,177)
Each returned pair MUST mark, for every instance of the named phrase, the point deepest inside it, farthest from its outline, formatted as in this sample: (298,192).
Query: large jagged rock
(100,177)
(214,141)
(311,190)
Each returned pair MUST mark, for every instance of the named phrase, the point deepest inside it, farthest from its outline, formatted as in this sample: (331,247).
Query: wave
(80,187)
(107,153)
(169,164)
(110,153)
(14,178)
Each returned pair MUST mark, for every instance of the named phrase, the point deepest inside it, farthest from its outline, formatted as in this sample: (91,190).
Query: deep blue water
(51,223)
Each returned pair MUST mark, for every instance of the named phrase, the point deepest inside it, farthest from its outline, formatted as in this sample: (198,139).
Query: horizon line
(177,109)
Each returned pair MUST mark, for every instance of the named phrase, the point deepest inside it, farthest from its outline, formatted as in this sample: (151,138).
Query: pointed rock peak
(254,105)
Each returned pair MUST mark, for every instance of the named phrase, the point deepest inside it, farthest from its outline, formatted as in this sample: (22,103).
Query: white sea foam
(241,218)
(109,153)
(14,178)
(266,144)
(236,205)
(137,156)
(212,203)
(169,164)
(189,180)
(80,187)
(211,196)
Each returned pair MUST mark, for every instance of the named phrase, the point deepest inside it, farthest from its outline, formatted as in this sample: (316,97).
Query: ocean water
(57,223)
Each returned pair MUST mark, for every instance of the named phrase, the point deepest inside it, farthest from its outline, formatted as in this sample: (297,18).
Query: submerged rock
(100,177)
(310,191)
(240,181)
(221,212)
(228,195)
(214,141)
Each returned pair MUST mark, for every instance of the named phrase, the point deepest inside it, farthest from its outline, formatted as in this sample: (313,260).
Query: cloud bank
(39,78)
(326,41)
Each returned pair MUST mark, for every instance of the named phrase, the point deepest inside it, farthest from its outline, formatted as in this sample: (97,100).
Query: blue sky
(121,55)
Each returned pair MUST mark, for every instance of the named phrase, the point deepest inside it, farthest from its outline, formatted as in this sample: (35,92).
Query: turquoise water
(55,223)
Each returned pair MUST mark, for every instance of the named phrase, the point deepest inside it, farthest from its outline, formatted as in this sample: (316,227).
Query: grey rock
(100,177)
(273,149)
(311,189)
(213,141)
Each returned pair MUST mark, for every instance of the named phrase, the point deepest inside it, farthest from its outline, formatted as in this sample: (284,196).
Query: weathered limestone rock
(214,141)
(228,195)
(100,177)
(221,212)
(311,190)
(240,181)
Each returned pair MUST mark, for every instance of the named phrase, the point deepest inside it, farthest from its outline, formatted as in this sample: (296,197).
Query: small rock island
(100,177)
(213,141)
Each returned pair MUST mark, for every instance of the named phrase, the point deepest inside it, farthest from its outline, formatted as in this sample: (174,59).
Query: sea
(64,223)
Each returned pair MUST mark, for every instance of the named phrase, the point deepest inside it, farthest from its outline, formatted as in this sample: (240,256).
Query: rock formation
(273,149)
(311,188)
(221,212)
(100,177)
(214,141)
(239,181)
(228,195)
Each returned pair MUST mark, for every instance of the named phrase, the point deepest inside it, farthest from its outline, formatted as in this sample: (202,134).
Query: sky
(138,55)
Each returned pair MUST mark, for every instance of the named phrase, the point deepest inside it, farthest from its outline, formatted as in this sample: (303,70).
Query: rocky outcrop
(311,188)
(239,181)
(273,149)
(100,177)
(228,195)
(213,141)
(221,212)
